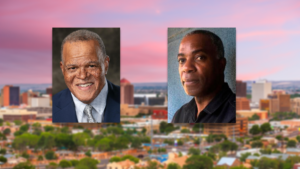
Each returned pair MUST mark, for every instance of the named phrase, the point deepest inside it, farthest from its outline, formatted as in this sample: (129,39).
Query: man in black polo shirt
(201,70)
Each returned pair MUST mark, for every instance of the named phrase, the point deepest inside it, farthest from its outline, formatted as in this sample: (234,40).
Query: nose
(188,66)
(82,74)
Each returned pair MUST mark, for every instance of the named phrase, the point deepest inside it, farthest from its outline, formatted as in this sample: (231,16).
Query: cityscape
(266,133)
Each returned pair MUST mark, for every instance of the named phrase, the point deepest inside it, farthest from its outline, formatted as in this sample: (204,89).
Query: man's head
(201,62)
(84,64)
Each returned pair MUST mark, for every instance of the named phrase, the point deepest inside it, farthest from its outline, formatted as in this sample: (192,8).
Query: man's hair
(216,40)
(85,35)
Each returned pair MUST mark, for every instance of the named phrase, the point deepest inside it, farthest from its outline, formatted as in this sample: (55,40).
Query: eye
(200,57)
(181,60)
(92,66)
(71,68)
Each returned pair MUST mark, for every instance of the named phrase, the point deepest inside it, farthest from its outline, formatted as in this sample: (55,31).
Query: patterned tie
(88,111)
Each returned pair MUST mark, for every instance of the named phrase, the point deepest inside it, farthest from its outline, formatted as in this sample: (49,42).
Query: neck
(203,100)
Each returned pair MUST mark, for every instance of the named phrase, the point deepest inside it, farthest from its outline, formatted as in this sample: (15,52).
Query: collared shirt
(99,104)
(220,110)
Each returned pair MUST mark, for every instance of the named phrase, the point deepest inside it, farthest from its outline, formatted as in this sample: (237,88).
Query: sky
(268,35)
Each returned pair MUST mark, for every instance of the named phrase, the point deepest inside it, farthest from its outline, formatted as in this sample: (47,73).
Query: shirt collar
(99,103)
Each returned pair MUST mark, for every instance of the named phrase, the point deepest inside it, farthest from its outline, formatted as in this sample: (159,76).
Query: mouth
(190,82)
(84,86)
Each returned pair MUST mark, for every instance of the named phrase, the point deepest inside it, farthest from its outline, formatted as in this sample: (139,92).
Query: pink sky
(267,35)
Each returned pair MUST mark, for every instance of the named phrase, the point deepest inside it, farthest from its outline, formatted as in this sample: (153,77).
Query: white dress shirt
(99,104)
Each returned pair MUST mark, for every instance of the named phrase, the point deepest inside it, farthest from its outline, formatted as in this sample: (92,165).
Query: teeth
(85,85)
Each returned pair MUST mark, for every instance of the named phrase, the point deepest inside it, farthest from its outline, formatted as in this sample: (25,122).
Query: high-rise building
(242,103)
(127,91)
(279,102)
(49,91)
(25,98)
(260,90)
(241,89)
(264,104)
(295,105)
(11,95)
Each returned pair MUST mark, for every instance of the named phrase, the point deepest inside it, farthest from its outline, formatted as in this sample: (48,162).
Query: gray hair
(85,35)
(216,40)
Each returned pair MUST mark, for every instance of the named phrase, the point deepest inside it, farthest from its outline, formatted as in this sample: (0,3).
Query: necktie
(88,111)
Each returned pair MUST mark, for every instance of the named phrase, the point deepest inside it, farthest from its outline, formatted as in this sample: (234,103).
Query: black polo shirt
(220,110)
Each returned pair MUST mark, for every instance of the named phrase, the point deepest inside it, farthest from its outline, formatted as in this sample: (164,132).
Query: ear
(106,63)
(62,67)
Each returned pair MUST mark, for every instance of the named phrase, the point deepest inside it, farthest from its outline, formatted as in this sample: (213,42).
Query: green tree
(25,155)
(279,137)
(46,141)
(64,140)
(194,151)
(153,165)
(74,162)
(130,157)
(265,127)
(198,162)
(50,155)
(87,162)
(173,166)
(104,144)
(256,144)
(3,159)
(65,164)
(17,122)
(40,158)
(24,140)
(211,155)
(196,127)
(254,117)
(24,128)
(52,165)
(136,142)
(115,159)
(65,130)
(255,130)
(185,131)
(180,142)
(6,131)
(88,153)
(48,128)
(244,156)
(79,139)
(25,165)
(267,163)
(3,151)
(291,143)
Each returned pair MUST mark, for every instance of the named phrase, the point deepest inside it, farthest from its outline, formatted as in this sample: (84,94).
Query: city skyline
(263,37)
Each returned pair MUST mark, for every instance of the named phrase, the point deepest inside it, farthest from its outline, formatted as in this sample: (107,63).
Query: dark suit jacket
(64,108)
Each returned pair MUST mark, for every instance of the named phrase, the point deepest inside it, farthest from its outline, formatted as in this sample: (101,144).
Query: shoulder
(183,113)
(231,108)
(61,96)
(113,89)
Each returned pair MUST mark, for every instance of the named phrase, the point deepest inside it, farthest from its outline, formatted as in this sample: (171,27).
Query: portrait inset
(201,75)
(86,75)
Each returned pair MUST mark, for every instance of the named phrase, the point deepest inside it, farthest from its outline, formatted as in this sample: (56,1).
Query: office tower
(241,89)
(11,95)
(279,102)
(260,90)
(127,90)
(242,103)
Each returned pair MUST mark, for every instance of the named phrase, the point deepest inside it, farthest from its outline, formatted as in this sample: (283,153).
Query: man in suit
(89,98)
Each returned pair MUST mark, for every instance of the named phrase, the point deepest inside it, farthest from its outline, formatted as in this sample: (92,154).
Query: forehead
(196,41)
(80,49)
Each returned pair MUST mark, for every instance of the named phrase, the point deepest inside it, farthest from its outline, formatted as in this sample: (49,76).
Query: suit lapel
(67,111)
(112,109)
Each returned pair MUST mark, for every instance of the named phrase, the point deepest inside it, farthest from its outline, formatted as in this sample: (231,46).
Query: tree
(74,162)
(64,140)
(211,155)
(265,127)
(153,165)
(244,156)
(46,141)
(79,139)
(255,130)
(298,138)
(194,151)
(25,155)
(24,140)
(25,165)
(115,159)
(24,128)
(104,144)
(254,117)
(50,155)
(185,131)
(196,128)
(3,151)
(265,162)
(136,142)
(180,142)
(3,159)
(17,122)
(256,144)
(65,130)
(48,128)
(52,165)
(279,137)
(40,158)
(291,143)
(88,162)
(88,153)
(173,166)
(144,130)
(198,162)
(65,164)
(130,157)
(6,131)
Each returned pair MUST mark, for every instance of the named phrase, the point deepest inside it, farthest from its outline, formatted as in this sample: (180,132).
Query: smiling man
(89,98)
(201,70)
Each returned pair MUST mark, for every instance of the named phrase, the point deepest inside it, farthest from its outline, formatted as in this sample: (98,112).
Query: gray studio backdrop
(111,40)
(176,94)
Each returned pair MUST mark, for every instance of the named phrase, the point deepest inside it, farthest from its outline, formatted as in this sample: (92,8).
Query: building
(120,165)
(24,98)
(279,102)
(260,90)
(40,102)
(295,105)
(264,104)
(240,128)
(127,91)
(17,114)
(241,89)
(291,123)
(11,95)
(263,114)
(229,162)
(49,91)
(133,110)
(242,103)
(160,114)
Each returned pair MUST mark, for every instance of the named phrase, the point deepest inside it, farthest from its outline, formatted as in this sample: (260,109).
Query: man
(201,70)
(89,98)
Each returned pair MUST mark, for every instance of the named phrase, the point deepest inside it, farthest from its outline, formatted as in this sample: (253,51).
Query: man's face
(199,68)
(83,72)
